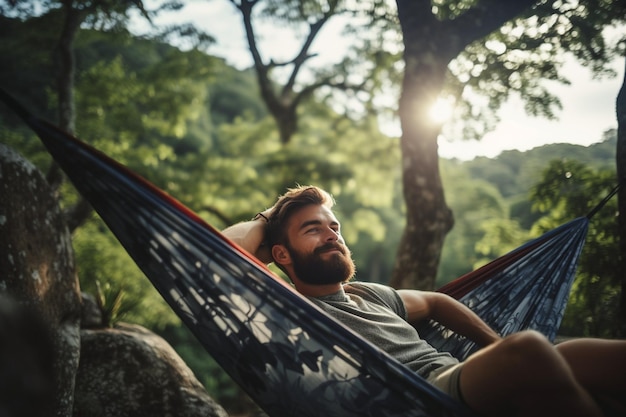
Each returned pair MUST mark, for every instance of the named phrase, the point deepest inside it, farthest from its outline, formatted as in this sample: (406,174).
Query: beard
(313,269)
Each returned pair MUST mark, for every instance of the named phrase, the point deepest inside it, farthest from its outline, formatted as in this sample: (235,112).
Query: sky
(588,111)
(588,104)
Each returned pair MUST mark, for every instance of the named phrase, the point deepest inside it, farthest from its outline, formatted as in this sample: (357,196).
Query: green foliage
(111,303)
(515,172)
(24,140)
(500,236)
(26,48)
(525,56)
(568,190)
(106,270)
(482,230)
(140,92)
(236,94)
(293,12)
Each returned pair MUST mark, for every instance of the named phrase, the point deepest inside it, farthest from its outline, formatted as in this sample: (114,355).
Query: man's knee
(529,338)
(529,347)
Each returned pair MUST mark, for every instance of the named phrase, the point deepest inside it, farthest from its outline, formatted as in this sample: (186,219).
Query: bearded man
(522,374)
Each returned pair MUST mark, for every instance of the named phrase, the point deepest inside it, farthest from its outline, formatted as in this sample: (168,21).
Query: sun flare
(442,110)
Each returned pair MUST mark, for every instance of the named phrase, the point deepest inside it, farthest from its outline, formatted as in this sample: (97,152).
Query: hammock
(527,288)
(289,356)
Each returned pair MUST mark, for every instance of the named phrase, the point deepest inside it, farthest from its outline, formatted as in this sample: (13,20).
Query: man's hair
(289,203)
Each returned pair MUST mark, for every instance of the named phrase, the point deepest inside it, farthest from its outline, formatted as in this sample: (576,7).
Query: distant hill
(514,172)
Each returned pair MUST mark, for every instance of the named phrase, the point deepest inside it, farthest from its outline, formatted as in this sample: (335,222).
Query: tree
(66,17)
(134,100)
(284,100)
(451,49)
(492,47)
(621,176)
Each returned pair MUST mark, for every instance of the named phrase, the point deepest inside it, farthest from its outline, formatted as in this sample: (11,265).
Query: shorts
(448,379)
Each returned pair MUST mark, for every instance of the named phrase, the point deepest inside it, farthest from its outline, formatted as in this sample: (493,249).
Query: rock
(37,265)
(91,315)
(26,362)
(123,371)
(130,371)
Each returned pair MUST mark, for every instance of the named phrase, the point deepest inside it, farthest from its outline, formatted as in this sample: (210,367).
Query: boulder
(123,371)
(37,265)
(26,362)
(130,371)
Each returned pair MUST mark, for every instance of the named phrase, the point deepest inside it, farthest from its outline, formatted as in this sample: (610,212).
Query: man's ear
(281,255)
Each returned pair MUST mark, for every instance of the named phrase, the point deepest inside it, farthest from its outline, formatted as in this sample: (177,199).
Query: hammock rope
(606,199)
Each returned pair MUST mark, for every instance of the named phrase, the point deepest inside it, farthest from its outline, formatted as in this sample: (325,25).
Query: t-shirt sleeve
(381,294)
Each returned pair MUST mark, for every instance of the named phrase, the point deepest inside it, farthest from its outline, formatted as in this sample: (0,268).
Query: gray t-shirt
(377,313)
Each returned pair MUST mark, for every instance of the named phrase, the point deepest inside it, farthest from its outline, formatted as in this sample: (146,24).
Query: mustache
(330,246)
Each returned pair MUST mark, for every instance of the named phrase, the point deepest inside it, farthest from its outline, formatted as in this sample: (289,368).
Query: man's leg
(524,375)
(599,365)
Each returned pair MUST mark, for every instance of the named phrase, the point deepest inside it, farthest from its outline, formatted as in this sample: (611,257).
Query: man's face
(318,253)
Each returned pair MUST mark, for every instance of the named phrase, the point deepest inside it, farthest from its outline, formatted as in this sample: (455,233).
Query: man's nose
(332,235)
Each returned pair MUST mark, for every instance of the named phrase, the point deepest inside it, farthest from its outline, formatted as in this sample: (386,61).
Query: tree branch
(219,214)
(303,55)
(484,18)
(76,215)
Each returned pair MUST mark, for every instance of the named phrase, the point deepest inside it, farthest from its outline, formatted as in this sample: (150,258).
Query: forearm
(250,236)
(460,319)
(424,305)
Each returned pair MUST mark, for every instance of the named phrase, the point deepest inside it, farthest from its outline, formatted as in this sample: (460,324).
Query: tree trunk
(75,216)
(65,77)
(65,83)
(428,218)
(429,46)
(620,157)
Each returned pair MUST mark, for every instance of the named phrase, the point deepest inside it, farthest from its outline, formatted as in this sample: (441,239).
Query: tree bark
(67,110)
(620,159)
(65,77)
(428,218)
(65,82)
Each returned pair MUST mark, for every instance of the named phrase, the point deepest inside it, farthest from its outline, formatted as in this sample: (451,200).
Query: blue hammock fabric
(288,355)
(527,288)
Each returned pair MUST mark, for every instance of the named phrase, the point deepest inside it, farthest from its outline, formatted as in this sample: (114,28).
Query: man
(519,375)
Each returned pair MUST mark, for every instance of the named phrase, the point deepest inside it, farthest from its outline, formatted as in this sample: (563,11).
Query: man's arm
(250,235)
(421,305)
